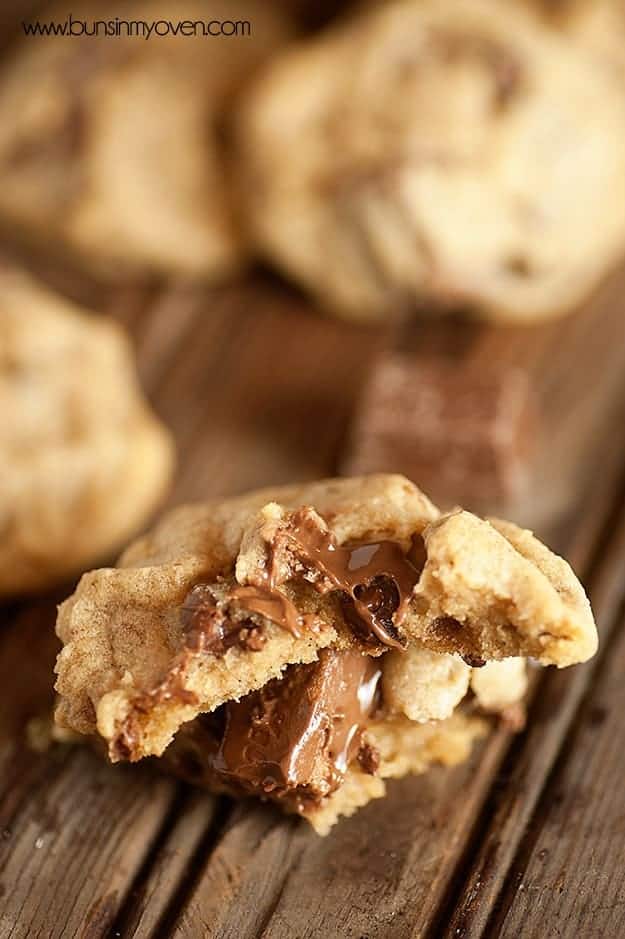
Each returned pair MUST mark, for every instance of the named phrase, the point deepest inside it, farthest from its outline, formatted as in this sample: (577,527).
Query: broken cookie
(304,643)
(84,460)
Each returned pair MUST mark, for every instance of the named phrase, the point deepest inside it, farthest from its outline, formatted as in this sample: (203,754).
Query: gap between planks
(283,903)
(569,869)
(509,814)
(105,862)
(258,859)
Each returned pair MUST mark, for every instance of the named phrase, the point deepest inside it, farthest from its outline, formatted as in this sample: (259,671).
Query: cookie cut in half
(84,460)
(304,643)
(451,154)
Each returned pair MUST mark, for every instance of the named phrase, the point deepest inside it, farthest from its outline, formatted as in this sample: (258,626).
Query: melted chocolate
(376,578)
(209,629)
(291,741)
(375,581)
(274,606)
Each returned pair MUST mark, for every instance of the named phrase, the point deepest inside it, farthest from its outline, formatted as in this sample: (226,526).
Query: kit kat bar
(466,432)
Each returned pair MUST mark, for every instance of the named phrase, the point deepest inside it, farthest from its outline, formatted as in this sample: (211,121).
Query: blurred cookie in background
(84,460)
(115,145)
(461,154)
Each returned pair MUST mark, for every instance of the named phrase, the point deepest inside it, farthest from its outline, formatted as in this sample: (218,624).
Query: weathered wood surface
(526,839)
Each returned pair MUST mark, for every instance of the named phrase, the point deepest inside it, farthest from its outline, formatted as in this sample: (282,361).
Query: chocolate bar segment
(465,433)
(293,740)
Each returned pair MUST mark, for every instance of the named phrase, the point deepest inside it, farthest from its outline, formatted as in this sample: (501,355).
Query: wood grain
(259,390)
(575,371)
(73,831)
(555,708)
(569,870)
(153,899)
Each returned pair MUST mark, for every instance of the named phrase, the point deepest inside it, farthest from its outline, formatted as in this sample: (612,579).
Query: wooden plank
(570,869)
(564,726)
(237,891)
(552,714)
(342,883)
(63,871)
(149,904)
(259,391)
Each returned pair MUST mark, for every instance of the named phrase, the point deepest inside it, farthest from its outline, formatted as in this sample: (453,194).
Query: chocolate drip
(291,741)
(377,578)
(375,581)
(274,606)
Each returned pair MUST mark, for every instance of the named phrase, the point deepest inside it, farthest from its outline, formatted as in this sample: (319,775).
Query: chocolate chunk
(381,600)
(473,661)
(374,581)
(369,759)
(464,434)
(209,628)
(291,741)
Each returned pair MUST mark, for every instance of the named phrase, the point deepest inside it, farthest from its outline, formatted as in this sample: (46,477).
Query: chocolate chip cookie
(438,154)
(302,644)
(115,145)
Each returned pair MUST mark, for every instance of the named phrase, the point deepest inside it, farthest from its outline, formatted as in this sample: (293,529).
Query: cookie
(84,461)
(114,145)
(304,638)
(446,155)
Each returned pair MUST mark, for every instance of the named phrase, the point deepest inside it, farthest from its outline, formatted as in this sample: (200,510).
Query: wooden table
(527,839)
